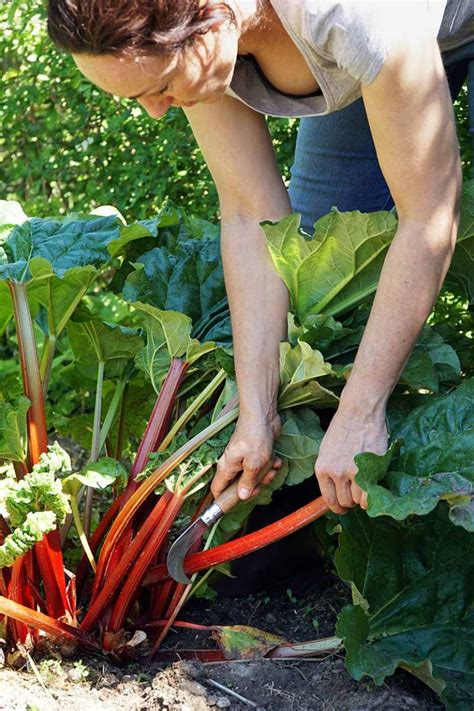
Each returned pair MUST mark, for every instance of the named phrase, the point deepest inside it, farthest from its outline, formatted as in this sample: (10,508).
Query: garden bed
(303,609)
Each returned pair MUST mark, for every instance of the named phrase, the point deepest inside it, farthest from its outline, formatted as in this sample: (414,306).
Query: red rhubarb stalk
(38,620)
(246,544)
(148,486)
(135,578)
(118,574)
(95,542)
(158,426)
(49,551)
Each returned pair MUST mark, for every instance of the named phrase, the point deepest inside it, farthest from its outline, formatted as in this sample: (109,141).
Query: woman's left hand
(348,435)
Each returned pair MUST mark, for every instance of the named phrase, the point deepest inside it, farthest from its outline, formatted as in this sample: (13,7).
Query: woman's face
(200,72)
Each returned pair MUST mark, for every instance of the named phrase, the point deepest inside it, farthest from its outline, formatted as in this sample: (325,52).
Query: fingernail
(244,493)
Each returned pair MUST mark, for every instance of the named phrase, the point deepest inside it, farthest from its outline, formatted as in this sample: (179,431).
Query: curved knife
(224,503)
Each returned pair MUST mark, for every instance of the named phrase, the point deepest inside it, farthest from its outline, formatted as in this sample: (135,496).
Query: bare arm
(237,147)
(412,122)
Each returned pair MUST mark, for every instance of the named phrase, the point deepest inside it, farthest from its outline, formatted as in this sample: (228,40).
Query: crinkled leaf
(64,244)
(300,366)
(432,361)
(13,440)
(40,489)
(414,580)
(97,475)
(298,443)
(436,462)
(339,267)
(23,538)
(187,278)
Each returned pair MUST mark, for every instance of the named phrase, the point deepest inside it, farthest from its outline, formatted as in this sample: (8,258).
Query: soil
(305,611)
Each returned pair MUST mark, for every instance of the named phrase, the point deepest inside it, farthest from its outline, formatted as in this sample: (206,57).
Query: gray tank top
(345,44)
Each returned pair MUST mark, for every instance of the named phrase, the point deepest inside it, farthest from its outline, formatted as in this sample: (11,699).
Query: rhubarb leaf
(436,461)
(13,439)
(59,296)
(338,268)
(40,489)
(64,244)
(412,585)
(241,642)
(187,278)
(93,341)
(298,443)
(24,537)
(168,337)
(299,368)
(97,475)
(433,361)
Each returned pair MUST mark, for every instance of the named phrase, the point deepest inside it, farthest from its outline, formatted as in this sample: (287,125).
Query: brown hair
(131,26)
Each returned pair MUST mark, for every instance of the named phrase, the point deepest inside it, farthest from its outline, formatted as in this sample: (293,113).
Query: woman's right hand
(249,450)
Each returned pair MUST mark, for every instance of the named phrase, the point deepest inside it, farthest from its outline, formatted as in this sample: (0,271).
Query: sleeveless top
(345,45)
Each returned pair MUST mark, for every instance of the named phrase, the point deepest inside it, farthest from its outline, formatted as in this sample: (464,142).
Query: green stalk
(81,534)
(47,358)
(95,448)
(121,425)
(192,409)
(33,389)
(115,403)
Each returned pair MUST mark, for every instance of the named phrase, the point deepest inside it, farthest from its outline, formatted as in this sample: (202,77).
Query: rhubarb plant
(120,336)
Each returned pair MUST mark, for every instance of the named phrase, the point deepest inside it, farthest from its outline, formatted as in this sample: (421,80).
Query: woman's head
(132,27)
(163,52)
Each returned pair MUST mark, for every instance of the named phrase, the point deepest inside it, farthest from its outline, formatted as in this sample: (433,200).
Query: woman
(369,78)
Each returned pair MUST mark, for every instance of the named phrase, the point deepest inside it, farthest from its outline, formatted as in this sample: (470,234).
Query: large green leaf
(300,366)
(97,475)
(93,342)
(413,589)
(432,361)
(436,462)
(64,244)
(59,296)
(13,429)
(185,277)
(168,336)
(339,267)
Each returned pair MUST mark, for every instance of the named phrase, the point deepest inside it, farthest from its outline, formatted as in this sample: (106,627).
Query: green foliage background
(66,146)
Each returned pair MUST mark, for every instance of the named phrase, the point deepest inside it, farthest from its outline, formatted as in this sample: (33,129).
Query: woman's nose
(156,107)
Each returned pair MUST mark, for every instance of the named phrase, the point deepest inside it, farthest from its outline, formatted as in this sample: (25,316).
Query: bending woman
(378,130)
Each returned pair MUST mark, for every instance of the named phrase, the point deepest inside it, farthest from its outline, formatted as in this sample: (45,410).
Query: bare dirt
(306,610)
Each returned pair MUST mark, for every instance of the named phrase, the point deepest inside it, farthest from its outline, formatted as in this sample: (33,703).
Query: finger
(269,477)
(248,480)
(328,492)
(226,471)
(356,492)
(343,491)
(364,503)
(277,463)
